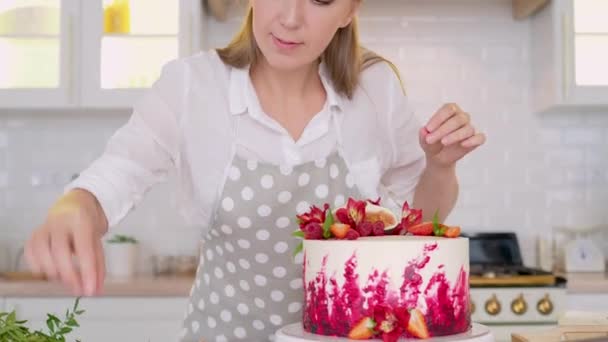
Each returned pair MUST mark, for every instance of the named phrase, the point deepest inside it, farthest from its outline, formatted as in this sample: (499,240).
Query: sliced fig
(374,213)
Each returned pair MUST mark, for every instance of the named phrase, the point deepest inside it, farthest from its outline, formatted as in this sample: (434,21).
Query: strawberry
(452,232)
(424,229)
(362,330)
(417,325)
(339,230)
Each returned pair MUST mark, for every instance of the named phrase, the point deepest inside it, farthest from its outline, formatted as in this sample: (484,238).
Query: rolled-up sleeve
(141,153)
(404,158)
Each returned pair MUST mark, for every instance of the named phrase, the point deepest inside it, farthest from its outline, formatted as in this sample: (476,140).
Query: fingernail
(429,139)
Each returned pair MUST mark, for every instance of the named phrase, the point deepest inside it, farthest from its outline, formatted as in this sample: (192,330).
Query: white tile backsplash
(535,171)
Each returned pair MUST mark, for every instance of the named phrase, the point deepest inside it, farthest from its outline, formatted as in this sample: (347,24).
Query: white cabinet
(36,45)
(90,53)
(109,319)
(569,50)
(120,60)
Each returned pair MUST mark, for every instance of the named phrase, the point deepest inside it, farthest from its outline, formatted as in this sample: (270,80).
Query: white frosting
(388,253)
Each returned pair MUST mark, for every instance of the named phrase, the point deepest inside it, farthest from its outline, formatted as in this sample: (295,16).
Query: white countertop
(587,283)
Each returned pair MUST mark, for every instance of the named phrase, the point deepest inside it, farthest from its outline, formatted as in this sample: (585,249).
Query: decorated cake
(368,275)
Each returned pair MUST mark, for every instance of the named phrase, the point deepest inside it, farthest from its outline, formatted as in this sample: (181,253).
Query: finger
(31,260)
(62,255)
(457,121)
(84,247)
(431,149)
(442,115)
(474,141)
(101,265)
(41,246)
(458,135)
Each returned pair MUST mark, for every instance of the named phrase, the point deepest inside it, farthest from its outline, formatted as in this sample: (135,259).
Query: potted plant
(121,256)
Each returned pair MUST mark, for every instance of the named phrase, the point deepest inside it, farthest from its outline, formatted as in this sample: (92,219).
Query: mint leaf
(298,233)
(436,228)
(329,220)
(298,249)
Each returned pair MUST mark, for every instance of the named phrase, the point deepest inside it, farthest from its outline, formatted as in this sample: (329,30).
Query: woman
(292,113)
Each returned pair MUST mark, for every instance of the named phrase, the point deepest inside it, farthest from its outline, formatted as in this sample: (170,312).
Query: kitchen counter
(578,283)
(587,283)
(138,287)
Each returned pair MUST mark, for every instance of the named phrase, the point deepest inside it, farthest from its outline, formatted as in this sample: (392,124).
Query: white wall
(535,172)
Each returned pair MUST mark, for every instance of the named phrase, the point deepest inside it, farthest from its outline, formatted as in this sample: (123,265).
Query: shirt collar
(239,78)
(240,86)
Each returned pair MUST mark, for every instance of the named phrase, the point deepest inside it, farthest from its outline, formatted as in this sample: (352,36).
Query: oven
(506,295)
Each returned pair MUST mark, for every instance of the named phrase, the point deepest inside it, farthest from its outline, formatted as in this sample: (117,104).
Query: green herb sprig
(13,330)
(122,239)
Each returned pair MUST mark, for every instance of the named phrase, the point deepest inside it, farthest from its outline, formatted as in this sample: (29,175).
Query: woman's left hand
(449,136)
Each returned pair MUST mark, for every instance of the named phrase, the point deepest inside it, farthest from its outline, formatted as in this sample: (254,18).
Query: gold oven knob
(519,305)
(545,306)
(493,306)
(471,307)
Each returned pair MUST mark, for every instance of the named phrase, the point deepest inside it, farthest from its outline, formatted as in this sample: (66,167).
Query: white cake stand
(295,333)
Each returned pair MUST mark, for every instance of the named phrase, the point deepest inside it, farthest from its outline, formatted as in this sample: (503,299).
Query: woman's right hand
(67,247)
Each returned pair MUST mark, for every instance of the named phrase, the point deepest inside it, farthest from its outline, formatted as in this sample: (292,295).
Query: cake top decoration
(364,218)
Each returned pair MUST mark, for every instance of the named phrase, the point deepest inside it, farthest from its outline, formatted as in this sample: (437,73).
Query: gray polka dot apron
(248,284)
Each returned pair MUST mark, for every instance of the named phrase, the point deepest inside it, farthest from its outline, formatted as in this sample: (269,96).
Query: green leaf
(436,219)
(72,323)
(6,330)
(298,233)
(80,312)
(298,249)
(55,319)
(76,302)
(436,228)
(51,325)
(12,317)
(329,220)
(65,330)
(122,239)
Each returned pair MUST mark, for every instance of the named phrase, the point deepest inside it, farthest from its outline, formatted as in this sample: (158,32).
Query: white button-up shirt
(185,125)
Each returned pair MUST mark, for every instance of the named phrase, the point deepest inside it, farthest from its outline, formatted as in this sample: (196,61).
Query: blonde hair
(344,57)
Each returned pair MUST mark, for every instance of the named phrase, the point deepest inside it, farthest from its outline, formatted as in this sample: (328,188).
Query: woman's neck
(282,84)
(292,98)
